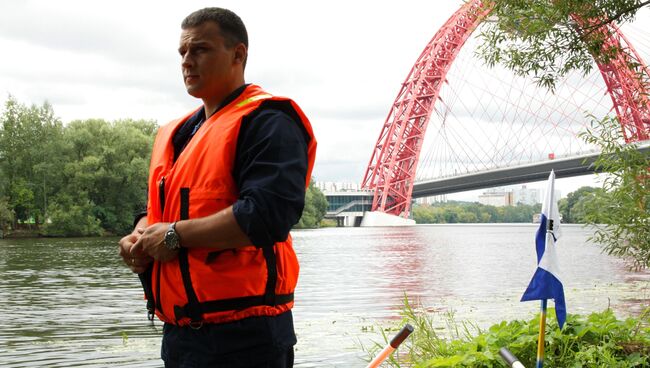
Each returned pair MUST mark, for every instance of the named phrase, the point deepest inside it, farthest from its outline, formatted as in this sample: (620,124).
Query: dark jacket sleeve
(270,170)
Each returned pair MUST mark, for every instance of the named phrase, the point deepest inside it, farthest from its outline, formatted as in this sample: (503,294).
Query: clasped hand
(141,247)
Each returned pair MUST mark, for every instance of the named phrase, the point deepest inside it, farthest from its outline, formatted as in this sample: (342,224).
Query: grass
(594,340)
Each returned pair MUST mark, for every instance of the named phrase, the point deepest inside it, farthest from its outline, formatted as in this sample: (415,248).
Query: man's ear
(241,53)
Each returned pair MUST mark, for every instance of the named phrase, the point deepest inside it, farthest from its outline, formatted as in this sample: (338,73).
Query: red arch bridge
(487,127)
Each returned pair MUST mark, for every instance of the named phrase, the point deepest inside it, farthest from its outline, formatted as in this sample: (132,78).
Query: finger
(137,268)
(124,246)
(141,261)
(136,248)
(127,240)
(140,264)
(137,265)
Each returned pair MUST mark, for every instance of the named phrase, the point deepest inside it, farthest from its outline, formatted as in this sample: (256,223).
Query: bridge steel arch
(391,171)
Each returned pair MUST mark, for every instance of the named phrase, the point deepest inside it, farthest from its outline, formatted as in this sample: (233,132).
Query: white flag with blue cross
(546,282)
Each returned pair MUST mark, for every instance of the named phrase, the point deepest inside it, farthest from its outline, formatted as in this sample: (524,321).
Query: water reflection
(478,272)
(70,302)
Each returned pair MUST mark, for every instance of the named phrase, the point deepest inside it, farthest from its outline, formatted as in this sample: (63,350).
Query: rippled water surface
(71,303)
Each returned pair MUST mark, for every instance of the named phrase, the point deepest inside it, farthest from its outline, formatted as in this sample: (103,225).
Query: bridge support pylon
(376,218)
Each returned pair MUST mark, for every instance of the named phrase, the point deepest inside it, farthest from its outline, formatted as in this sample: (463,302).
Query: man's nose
(186,60)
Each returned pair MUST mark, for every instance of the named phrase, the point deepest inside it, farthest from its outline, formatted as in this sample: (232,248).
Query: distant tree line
(471,212)
(85,178)
(579,207)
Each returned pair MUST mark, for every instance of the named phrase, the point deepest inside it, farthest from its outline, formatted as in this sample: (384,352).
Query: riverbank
(36,232)
(598,339)
(20,234)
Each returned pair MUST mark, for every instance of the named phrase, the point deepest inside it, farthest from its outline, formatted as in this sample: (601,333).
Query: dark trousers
(256,342)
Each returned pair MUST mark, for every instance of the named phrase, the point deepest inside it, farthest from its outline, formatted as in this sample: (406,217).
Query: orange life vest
(202,284)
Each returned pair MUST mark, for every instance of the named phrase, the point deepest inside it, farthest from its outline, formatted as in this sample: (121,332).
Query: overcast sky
(342,61)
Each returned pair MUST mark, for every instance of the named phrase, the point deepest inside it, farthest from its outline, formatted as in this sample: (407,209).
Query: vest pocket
(207,202)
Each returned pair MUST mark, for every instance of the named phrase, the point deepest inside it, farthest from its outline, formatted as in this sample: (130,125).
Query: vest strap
(271,275)
(145,279)
(235,304)
(158,267)
(193,308)
(185,203)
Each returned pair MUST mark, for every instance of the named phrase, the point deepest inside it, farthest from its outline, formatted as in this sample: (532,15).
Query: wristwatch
(172,240)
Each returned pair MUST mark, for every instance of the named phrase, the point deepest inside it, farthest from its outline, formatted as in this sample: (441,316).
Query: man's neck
(212,105)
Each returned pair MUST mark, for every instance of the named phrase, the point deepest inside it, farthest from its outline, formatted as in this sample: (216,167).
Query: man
(226,184)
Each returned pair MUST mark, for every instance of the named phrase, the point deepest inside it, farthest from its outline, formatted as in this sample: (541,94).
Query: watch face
(171,239)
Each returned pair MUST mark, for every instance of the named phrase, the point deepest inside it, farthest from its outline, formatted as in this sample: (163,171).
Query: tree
(6,216)
(621,212)
(70,217)
(28,138)
(87,171)
(315,208)
(548,39)
(573,206)
(107,164)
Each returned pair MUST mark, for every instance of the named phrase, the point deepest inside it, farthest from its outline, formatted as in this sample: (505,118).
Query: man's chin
(194,92)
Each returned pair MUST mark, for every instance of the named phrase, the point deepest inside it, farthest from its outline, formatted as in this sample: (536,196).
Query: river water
(71,303)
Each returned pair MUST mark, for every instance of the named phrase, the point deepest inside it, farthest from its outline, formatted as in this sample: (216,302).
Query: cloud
(84,28)
(342,61)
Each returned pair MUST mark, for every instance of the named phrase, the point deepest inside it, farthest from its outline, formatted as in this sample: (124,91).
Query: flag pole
(542,332)
(394,344)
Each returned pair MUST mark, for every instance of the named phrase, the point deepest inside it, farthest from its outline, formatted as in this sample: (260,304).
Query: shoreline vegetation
(86,178)
(599,339)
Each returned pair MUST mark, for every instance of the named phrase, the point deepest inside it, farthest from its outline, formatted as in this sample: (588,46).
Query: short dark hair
(231,26)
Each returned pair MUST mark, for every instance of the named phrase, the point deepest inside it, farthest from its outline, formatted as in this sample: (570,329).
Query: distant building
(432,199)
(347,203)
(337,186)
(525,195)
(496,197)
(500,197)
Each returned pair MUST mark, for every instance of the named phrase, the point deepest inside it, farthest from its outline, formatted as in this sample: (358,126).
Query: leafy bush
(72,220)
(621,211)
(596,340)
(6,215)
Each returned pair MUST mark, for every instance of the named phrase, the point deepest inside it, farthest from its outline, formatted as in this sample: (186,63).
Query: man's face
(208,64)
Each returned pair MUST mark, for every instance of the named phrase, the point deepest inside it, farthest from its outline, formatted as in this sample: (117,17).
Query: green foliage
(27,139)
(71,178)
(621,211)
(549,39)
(575,206)
(72,219)
(6,215)
(109,163)
(466,212)
(315,208)
(596,340)
(86,178)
